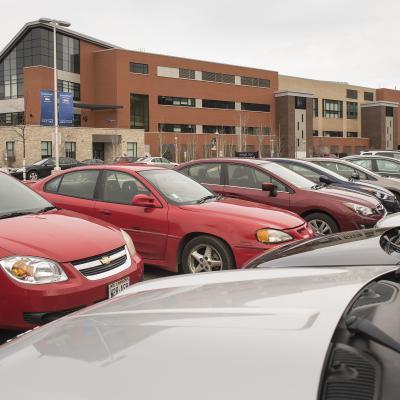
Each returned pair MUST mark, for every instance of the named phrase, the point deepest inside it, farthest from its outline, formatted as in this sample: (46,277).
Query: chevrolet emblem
(105,260)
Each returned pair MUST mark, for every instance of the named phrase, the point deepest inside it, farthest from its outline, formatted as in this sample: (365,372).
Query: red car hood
(58,235)
(249,212)
(347,196)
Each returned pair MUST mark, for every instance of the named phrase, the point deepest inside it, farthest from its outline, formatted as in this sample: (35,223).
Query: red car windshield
(175,187)
(17,198)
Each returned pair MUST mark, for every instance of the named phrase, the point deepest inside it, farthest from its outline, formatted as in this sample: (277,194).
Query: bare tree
(20,132)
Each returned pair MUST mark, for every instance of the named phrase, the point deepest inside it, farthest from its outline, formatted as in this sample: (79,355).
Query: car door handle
(105,212)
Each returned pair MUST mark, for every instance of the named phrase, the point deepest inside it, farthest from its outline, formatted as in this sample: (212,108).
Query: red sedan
(327,209)
(175,222)
(53,262)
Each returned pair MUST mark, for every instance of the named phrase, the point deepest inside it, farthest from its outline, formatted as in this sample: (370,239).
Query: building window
(369,96)
(70,150)
(315,107)
(185,73)
(70,87)
(12,118)
(256,107)
(352,134)
(300,103)
(226,130)
(351,94)
(131,149)
(217,77)
(332,133)
(389,111)
(10,150)
(176,101)
(315,133)
(257,82)
(255,130)
(352,110)
(332,108)
(138,68)
(184,128)
(230,105)
(140,111)
(77,120)
(46,149)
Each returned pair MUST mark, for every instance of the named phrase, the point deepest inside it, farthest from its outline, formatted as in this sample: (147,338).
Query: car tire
(323,223)
(32,176)
(205,254)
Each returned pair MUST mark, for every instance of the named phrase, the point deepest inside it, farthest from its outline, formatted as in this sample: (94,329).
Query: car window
(164,160)
(52,186)
(387,166)
(206,173)
(119,187)
(79,184)
(248,177)
(304,171)
(365,163)
(65,161)
(343,169)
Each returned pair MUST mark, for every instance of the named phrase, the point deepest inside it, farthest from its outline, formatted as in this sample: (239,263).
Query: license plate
(117,287)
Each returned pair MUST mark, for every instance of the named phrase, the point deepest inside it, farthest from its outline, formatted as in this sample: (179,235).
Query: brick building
(129,102)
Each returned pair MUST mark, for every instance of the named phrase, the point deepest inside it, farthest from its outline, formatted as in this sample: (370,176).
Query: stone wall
(115,142)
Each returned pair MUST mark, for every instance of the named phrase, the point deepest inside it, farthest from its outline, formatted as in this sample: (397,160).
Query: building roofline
(34,24)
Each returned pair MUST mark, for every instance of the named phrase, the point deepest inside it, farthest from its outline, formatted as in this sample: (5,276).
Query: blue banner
(47,108)
(65,109)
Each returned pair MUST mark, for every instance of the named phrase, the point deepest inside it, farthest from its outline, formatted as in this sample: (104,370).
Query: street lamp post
(217,142)
(54,23)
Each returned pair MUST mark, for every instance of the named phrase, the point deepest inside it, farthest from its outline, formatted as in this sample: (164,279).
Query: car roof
(372,156)
(120,167)
(249,161)
(265,327)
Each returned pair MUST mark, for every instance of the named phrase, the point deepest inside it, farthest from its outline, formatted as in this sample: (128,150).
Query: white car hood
(247,334)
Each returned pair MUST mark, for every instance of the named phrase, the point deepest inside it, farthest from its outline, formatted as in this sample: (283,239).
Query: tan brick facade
(115,142)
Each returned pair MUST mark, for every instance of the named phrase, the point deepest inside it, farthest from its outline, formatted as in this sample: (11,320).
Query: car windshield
(175,187)
(17,198)
(288,175)
(41,162)
(142,159)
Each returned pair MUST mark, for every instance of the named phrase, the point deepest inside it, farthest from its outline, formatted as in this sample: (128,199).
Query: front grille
(96,267)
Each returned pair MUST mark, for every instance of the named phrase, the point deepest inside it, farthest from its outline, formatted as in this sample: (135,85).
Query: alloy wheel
(204,258)
(33,176)
(321,226)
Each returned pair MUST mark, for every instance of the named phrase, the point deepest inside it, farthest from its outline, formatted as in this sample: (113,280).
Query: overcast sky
(349,41)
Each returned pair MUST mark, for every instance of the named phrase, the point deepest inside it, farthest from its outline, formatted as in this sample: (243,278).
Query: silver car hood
(247,334)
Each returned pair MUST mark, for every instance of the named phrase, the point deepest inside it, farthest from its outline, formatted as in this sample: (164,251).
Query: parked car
(93,161)
(357,248)
(53,261)
(281,334)
(43,168)
(319,175)
(159,161)
(327,209)
(175,222)
(358,173)
(384,166)
(124,159)
(385,153)
(389,221)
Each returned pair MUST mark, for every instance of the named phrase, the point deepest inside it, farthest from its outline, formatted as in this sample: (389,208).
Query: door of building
(98,151)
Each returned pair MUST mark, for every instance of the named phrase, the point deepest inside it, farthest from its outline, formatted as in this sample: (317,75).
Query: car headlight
(381,195)
(359,209)
(269,236)
(33,270)
(129,243)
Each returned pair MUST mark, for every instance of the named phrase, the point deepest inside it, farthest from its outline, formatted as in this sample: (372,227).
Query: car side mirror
(355,176)
(145,200)
(325,179)
(269,187)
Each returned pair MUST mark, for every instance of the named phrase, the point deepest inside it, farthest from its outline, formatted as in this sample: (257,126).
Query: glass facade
(36,48)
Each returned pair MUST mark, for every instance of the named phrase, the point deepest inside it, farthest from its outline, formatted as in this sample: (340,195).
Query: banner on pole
(46,108)
(65,109)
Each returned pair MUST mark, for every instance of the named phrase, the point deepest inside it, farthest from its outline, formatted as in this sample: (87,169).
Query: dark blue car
(321,175)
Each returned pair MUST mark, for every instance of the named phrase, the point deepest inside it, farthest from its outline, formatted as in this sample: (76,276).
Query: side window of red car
(79,184)
(119,187)
(206,173)
(52,186)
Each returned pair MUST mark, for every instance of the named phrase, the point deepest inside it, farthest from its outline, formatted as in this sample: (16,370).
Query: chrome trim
(106,274)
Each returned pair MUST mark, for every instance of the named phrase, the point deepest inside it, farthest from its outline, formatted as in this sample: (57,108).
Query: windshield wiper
(209,197)
(45,209)
(363,327)
(15,214)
